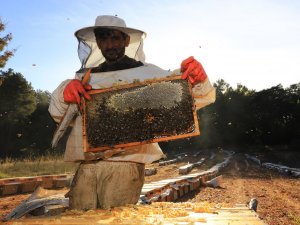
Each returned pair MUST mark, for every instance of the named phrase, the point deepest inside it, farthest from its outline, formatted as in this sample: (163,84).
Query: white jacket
(146,153)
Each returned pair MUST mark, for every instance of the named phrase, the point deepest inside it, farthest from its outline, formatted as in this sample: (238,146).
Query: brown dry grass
(35,167)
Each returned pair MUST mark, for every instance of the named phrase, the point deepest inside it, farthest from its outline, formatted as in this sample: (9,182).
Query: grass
(35,167)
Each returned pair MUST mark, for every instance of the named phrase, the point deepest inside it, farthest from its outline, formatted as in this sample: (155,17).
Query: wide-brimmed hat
(110,22)
(88,51)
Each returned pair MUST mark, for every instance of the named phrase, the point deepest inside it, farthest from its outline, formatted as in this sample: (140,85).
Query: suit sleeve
(57,106)
(204,93)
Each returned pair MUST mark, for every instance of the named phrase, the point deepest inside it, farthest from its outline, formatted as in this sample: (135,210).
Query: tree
(39,127)
(277,114)
(17,97)
(4,40)
(17,100)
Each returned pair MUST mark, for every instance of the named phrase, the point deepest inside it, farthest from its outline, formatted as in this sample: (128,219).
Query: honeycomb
(138,114)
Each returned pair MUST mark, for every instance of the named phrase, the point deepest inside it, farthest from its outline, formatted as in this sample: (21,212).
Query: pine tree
(4,41)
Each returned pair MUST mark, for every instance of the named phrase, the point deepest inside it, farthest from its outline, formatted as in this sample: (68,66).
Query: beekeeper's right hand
(73,90)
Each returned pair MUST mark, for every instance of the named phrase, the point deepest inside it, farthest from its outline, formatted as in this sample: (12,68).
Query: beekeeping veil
(88,51)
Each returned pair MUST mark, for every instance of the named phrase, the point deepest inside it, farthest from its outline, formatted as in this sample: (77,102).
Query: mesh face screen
(84,52)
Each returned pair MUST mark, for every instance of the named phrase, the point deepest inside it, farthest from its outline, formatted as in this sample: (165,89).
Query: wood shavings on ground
(156,213)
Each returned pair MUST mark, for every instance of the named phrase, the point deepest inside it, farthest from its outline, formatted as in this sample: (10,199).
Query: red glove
(73,90)
(192,69)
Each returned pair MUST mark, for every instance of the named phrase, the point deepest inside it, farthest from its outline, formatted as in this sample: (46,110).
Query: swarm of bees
(139,113)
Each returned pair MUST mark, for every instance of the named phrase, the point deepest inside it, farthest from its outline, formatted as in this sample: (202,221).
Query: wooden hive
(156,213)
(139,113)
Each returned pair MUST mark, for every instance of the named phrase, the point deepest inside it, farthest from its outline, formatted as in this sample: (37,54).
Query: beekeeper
(115,54)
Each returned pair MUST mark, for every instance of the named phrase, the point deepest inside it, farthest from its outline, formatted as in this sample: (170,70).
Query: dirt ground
(278,195)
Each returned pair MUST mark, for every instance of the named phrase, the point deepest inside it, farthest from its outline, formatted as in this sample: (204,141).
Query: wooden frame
(90,148)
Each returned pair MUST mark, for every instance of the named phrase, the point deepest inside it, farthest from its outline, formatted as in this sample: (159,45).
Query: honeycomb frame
(121,110)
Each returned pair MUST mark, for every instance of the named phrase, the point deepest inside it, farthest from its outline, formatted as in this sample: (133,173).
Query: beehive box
(163,213)
(128,115)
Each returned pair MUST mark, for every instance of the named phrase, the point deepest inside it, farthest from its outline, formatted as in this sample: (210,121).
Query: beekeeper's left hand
(193,70)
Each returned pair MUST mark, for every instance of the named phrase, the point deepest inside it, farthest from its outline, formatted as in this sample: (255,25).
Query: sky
(255,43)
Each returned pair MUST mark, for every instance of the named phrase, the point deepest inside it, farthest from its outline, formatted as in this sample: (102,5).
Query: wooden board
(139,113)
(156,213)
